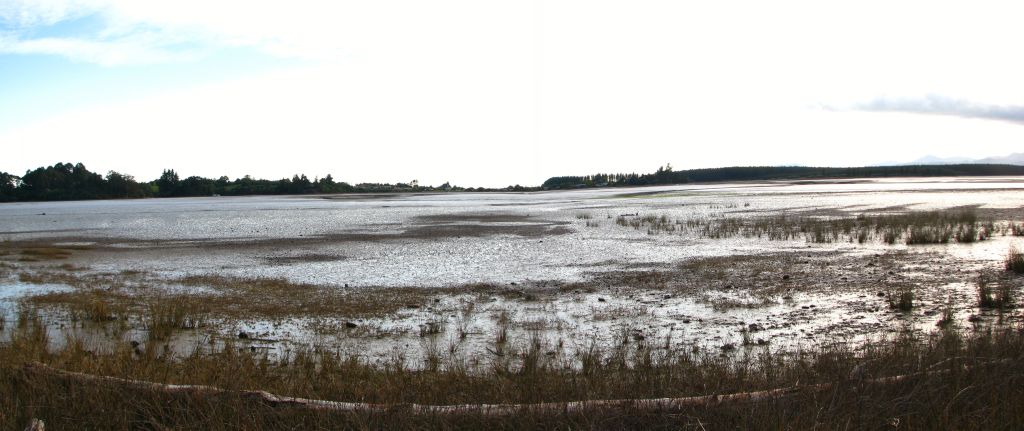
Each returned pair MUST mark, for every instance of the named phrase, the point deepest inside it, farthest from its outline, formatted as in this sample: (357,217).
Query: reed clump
(1014,260)
(998,297)
(915,227)
(901,299)
(165,316)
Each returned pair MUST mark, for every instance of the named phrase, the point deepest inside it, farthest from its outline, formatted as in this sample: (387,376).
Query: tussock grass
(91,306)
(901,299)
(1014,260)
(948,318)
(998,297)
(168,315)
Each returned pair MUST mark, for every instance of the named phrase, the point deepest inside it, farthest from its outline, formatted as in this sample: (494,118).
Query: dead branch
(654,404)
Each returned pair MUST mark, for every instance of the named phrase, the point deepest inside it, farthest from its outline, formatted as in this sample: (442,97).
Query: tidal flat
(468,287)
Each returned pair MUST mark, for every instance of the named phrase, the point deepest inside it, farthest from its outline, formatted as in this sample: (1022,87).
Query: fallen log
(652,404)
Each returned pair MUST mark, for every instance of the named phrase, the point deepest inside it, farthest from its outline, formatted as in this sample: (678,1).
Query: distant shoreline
(67,182)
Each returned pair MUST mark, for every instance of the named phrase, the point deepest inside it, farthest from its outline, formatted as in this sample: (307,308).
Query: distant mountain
(1012,159)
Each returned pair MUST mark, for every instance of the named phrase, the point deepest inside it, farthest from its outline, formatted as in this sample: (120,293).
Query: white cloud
(136,50)
(461,88)
(935,104)
(317,30)
(23,14)
(358,124)
(373,124)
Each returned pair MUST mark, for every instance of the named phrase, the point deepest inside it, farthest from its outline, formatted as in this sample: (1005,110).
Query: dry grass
(232,297)
(915,227)
(979,387)
(901,299)
(37,251)
(276,297)
(43,253)
(1014,260)
(521,370)
(999,297)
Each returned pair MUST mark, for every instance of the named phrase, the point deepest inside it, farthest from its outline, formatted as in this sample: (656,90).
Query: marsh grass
(977,388)
(100,310)
(41,253)
(431,327)
(1014,260)
(524,369)
(999,297)
(231,297)
(725,303)
(915,227)
(167,315)
(504,323)
(948,318)
(901,299)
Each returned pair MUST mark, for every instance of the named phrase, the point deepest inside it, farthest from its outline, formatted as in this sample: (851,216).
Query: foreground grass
(960,379)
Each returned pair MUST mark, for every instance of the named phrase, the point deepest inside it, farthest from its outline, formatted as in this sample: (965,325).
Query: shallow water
(505,238)
(424,239)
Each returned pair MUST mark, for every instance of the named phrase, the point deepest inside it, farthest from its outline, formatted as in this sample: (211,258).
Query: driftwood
(653,404)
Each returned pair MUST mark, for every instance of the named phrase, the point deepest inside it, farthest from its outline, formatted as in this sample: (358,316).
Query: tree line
(666,175)
(66,181)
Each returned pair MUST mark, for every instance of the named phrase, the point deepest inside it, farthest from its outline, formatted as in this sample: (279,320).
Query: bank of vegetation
(66,181)
(666,175)
(97,355)
(956,378)
(911,228)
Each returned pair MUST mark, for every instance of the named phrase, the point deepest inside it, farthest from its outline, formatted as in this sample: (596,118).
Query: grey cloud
(941,105)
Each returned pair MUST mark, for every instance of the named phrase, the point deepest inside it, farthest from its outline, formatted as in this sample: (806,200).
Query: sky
(494,93)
